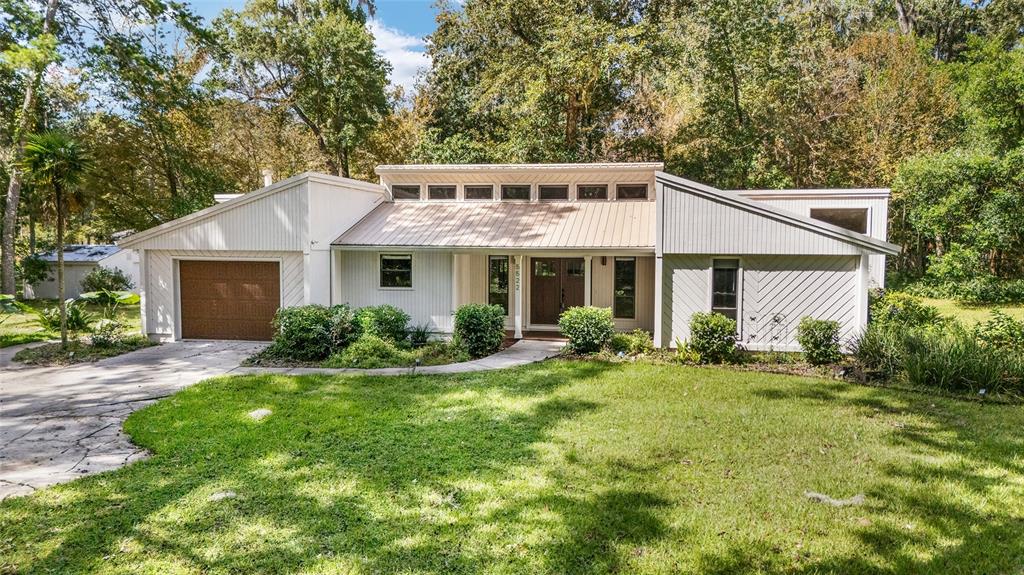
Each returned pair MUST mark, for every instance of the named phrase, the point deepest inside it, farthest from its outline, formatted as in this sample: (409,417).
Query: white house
(79,260)
(533,238)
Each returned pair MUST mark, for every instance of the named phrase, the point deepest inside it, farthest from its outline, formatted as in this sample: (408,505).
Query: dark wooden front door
(556,284)
(228,299)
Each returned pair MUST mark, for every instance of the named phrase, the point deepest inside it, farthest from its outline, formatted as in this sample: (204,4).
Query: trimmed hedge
(588,328)
(386,321)
(480,327)
(712,337)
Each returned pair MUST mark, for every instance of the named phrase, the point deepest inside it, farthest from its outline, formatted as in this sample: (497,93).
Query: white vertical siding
(74,273)
(776,293)
(161,295)
(697,225)
(428,302)
(878,218)
(278,222)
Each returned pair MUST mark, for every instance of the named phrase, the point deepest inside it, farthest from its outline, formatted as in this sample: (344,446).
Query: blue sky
(399,28)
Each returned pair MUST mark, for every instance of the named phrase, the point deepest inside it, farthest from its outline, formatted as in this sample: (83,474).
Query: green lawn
(22,328)
(562,467)
(972,314)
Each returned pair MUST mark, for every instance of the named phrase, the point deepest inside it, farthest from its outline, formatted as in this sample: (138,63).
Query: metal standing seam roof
(81,253)
(554,225)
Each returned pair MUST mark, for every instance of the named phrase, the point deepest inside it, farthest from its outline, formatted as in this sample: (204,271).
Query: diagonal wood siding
(777,291)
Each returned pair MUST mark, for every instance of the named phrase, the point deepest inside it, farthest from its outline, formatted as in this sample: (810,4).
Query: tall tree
(34,57)
(314,58)
(55,160)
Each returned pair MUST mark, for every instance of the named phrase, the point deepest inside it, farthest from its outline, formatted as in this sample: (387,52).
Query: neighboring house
(534,239)
(79,260)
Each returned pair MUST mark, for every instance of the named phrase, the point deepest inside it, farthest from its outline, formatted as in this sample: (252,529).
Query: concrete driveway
(59,423)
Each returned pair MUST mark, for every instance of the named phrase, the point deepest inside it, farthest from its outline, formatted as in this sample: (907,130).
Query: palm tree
(55,160)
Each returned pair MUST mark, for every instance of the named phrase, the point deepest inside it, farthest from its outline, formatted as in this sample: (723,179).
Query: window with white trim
(396,270)
(853,219)
(592,192)
(725,274)
(440,192)
(479,192)
(515,192)
(497,281)
(553,192)
(624,303)
(631,192)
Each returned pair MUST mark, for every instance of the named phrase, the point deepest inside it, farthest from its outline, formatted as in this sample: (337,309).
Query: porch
(534,288)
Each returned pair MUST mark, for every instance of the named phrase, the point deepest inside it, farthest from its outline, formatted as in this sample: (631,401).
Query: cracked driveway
(60,423)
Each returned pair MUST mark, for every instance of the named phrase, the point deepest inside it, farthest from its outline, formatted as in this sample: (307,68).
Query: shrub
(78,319)
(1001,331)
(106,279)
(107,333)
(385,321)
(588,328)
(34,270)
(419,335)
(713,336)
(480,327)
(685,353)
(372,351)
(341,325)
(303,333)
(905,310)
(636,342)
(441,352)
(879,351)
(819,339)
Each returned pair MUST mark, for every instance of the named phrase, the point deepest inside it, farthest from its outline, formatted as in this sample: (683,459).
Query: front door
(556,284)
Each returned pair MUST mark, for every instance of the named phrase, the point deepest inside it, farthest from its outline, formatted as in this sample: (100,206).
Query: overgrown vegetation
(102,279)
(109,344)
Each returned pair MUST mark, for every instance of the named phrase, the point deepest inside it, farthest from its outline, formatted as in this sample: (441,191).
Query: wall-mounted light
(604,260)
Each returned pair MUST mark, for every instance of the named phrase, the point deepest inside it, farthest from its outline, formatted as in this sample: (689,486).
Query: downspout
(659,264)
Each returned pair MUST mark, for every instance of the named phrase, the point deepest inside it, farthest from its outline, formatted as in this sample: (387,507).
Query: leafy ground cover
(561,467)
(22,328)
(79,351)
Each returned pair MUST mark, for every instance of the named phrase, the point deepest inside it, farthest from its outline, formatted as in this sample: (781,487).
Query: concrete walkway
(59,423)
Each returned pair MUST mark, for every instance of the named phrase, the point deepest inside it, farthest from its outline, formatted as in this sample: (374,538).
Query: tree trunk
(343,169)
(14,185)
(31,233)
(905,16)
(940,245)
(60,266)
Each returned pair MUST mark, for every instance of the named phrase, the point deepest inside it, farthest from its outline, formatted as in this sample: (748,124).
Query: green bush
(106,279)
(34,270)
(385,321)
(371,351)
(419,335)
(78,319)
(107,333)
(588,328)
(819,339)
(442,352)
(953,360)
(303,333)
(977,290)
(480,327)
(1001,331)
(341,325)
(713,337)
(905,310)
(636,342)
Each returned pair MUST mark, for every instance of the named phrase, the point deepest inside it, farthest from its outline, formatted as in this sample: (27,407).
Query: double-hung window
(396,270)
(725,274)
(497,281)
(624,304)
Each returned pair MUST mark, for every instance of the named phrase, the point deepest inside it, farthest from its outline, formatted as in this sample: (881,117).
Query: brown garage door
(228,299)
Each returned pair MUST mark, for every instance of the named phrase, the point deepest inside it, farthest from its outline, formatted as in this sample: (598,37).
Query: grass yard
(22,328)
(561,467)
(970,315)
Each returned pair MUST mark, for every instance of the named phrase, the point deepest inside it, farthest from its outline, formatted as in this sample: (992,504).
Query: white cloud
(406,54)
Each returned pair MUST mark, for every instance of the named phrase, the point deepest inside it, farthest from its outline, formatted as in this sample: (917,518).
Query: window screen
(479,192)
(853,219)
(624,305)
(631,191)
(405,192)
(497,281)
(592,192)
(553,192)
(515,192)
(441,192)
(724,277)
(396,271)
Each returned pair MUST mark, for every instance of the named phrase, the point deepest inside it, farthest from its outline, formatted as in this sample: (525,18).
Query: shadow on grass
(381,474)
(953,480)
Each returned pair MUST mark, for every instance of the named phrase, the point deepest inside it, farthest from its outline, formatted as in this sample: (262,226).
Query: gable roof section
(716,221)
(534,225)
(241,201)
